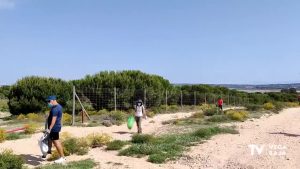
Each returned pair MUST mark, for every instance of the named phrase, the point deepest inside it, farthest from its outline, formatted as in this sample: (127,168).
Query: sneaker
(45,155)
(61,160)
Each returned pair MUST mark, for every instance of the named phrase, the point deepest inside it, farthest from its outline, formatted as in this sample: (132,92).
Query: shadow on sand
(123,132)
(285,134)
(32,159)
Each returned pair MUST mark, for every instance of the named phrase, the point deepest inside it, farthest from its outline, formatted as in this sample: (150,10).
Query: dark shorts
(54,136)
(221,107)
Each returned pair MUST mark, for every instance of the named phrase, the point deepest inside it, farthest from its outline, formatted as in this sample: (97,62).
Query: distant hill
(256,88)
(263,87)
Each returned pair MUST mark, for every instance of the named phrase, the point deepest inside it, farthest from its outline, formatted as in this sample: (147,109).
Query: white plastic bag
(43,143)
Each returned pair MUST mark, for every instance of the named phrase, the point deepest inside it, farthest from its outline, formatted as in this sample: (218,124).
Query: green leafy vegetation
(237,115)
(83,164)
(28,94)
(10,161)
(167,147)
(15,136)
(2,135)
(116,145)
(4,105)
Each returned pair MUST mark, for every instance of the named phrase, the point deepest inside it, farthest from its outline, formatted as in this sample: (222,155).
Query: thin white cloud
(7,4)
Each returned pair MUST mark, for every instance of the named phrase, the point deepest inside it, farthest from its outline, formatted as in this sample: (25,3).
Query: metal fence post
(181,99)
(234,101)
(73,112)
(195,99)
(145,98)
(228,99)
(205,98)
(115,98)
(214,99)
(166,100)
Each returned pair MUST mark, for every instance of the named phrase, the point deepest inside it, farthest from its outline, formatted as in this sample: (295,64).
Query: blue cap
(51,98)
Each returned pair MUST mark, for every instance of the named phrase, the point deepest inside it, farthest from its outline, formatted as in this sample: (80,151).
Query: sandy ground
(277,137)
(28,148)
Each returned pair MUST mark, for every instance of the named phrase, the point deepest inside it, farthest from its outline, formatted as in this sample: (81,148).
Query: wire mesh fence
(124,99)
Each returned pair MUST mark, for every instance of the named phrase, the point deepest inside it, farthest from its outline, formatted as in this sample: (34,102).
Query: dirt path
(279,133)
(278,137)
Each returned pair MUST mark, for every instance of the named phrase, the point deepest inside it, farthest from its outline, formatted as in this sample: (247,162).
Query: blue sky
(192,41)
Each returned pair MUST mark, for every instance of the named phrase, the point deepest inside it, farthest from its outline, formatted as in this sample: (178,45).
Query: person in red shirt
(220,103)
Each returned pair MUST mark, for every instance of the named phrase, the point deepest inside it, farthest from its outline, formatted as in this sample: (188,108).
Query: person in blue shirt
(54,127)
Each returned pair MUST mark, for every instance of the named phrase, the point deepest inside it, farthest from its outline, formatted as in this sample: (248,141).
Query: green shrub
(21,117)
(157,110)
(67,119)
(206,133)
(29,94)
(140,150)
(103,111)
(4,91)
(237,115)
(55,155)
(204,107)
(198,115)
(65,135)
(83,146)
(113,118)
(116,145)
(14,136)
(166,109)
(157,158)
(93,124)
(218,118)
(210,112)
(74,145)
(10,161)
(173,108)
(98,139)
(279,106)
(92,113)
(168,147)
(30,128)
(70,146)
(229,130)
(83,164)
(203,133)
(150,114)
(292,104)
(3,105)
(142,138)
(33,117)
(119,116)
(269,106)
(2,135)
(253,107)
(126,82)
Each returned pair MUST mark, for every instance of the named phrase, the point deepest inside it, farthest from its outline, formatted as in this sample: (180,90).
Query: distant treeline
(29,94)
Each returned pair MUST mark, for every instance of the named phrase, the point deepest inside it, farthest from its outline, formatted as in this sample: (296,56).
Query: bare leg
(59,147)
(138,124)
(49,146)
